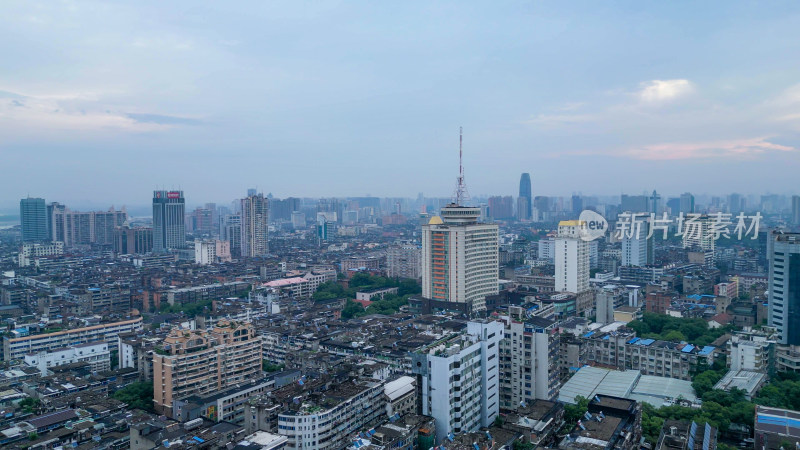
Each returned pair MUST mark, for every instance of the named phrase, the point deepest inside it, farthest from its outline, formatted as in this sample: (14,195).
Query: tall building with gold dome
(459,257)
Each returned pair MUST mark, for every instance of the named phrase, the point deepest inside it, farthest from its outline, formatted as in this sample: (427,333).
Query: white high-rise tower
(459,254)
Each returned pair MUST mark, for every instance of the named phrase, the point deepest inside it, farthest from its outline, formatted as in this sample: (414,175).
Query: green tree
(409,287)
(522,445)
(705,382)
(329,291)
(573,413)
(651,423)
(498,421)
(137,395)
(352,309)
(268,367)
(674,336)
(30,405)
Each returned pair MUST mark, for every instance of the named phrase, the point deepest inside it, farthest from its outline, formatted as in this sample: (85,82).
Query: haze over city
(399,225)
(100,103)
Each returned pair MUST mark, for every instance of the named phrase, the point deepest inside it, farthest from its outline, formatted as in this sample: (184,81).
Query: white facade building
(17,348)
(752,353)
(210,251)
(698,233)
(314,427)
(571,258)
(96,354)
(205,251)
(637,250)
(29,252)
(460,379)
(547,249)
(460,257)
(604,299)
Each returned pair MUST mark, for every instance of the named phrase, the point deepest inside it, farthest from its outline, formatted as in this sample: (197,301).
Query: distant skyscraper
(523,208)
(687,203)
(525,197)
(169,228)
(55,221)
(129,240)
(634,203)
(501,207)
(674,205)
(736,203)
(33,216)
(232,232)
(255,226)
(542,203)
(655,203)
(784,286)
(203,221)
(637,250)
(322,228)
(796,210)
(577,205)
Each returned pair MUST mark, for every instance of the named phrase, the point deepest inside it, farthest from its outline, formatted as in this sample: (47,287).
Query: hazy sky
(102,102)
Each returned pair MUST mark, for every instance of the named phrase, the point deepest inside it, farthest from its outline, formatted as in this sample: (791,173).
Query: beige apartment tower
(198,362)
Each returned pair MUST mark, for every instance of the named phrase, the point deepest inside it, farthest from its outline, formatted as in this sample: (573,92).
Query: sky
(102,102)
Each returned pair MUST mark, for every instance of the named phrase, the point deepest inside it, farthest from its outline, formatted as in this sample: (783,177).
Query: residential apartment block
(624,351)
(199,362)
(18,347)
(529,367)
(458,378)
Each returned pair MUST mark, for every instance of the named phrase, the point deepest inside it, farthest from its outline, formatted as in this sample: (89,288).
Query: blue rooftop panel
(589,334)
(707,350)
(687,348)
(646,342)
(634,340)
(605,338)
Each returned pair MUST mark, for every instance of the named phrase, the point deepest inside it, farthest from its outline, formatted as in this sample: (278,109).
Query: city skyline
(448,225)
(650,96)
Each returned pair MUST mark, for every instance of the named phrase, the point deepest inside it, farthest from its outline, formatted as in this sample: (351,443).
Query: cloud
(657,91)
(558,119)
(162,119)
(742,148)
(77,111)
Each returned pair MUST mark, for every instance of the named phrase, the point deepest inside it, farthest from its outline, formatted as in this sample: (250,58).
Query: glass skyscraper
(33,217)
(784,286)
(169,229)
(524,193)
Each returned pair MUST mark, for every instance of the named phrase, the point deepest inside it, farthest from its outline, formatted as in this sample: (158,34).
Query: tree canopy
(676,329)
(190,309)
(390,303)
(137,395)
